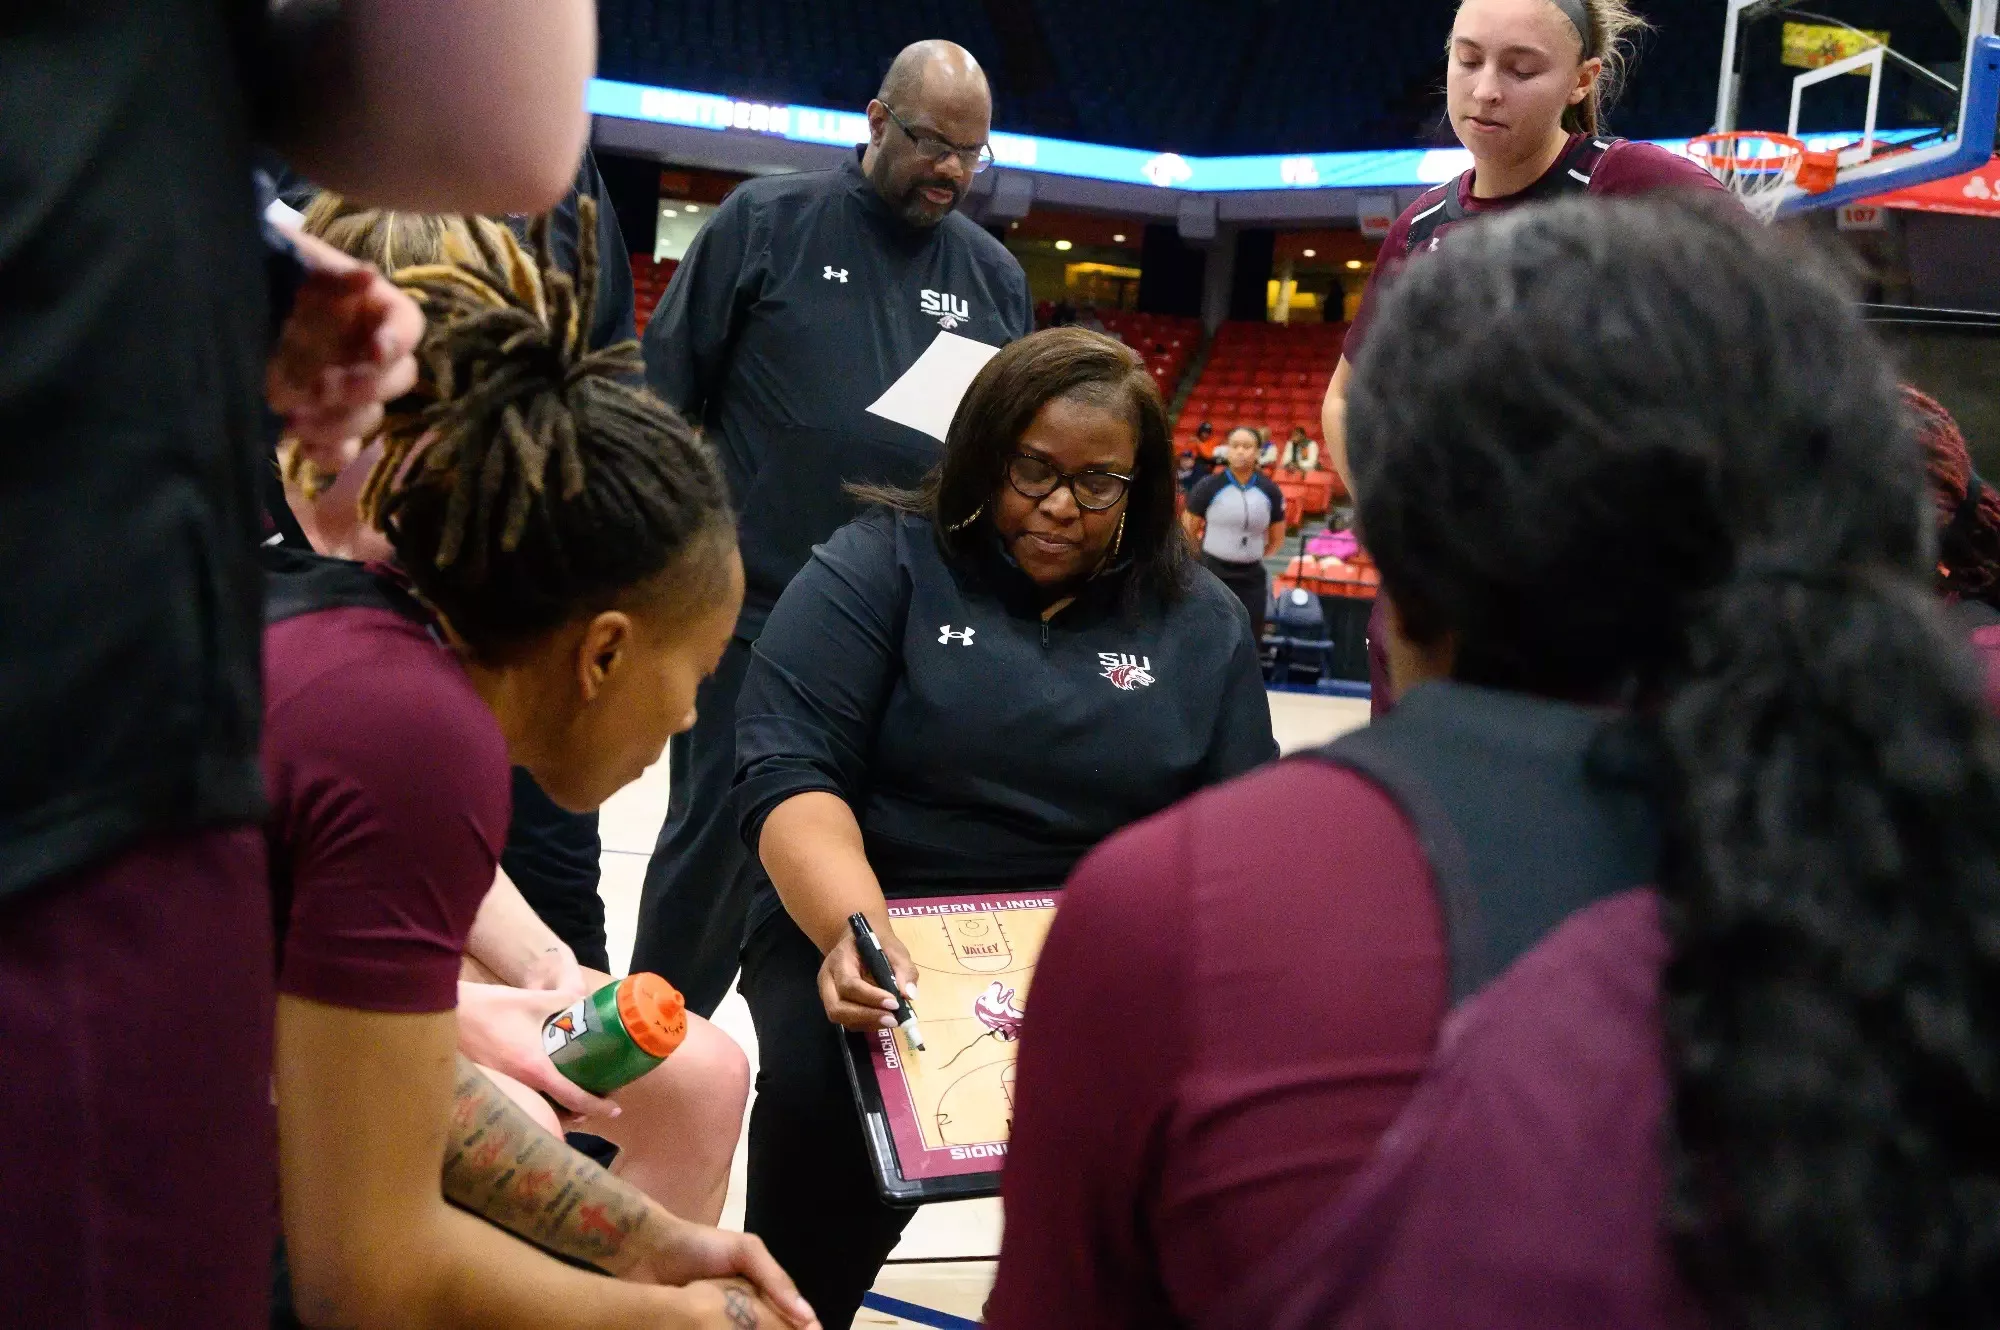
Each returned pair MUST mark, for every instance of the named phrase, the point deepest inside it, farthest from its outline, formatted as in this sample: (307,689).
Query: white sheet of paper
(927,395)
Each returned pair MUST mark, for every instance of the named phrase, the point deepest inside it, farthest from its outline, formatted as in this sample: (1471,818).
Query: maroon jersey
(1589,165)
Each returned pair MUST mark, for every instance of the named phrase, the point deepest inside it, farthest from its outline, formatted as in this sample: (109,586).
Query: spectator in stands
(1527,86)
(1236,518)
(882,756)
(1690,822)
(559,613)
(780,360)
(136,335)
(1301,453)
(1968,514)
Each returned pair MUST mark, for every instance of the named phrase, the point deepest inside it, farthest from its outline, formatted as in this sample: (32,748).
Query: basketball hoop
(1764,169)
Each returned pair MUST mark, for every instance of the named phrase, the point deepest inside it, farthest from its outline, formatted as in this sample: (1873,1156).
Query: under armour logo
(947,635)
(1435,242)
(834,274)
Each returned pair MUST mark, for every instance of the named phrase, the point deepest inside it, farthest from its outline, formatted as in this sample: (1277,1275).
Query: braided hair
(1646,451)
(1968,508)
(388,240)
(525,482)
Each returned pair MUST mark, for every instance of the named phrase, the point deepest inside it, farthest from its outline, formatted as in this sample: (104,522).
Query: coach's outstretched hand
(852,1000)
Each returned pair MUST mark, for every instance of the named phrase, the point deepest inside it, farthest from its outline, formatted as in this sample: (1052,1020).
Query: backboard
(1906,91)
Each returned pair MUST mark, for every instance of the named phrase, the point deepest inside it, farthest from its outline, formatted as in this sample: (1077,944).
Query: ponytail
(1832,894)
(1609,29)
(1552,482)
(525,482)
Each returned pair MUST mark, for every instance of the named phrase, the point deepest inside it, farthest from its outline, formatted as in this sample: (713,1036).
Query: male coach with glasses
(804,298)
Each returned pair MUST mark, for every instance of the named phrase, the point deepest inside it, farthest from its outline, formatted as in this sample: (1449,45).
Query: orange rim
(1725,151)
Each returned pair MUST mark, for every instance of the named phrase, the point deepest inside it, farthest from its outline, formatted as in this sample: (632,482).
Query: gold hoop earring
(1118,540)
(977,513)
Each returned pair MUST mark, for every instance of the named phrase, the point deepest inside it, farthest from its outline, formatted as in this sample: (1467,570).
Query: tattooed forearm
(501,1166)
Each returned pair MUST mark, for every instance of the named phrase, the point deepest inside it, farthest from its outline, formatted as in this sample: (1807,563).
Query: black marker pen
(870,948)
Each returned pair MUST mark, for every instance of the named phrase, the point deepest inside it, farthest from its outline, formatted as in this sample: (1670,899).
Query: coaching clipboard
(937,1121)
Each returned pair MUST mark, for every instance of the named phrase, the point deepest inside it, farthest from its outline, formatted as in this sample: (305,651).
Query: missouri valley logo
(949,310)
(1126,672)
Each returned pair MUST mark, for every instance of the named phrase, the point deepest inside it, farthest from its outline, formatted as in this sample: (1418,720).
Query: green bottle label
(590,1047)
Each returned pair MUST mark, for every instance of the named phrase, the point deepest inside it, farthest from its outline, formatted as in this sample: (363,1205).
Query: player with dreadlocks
(674,1131)
(565,575)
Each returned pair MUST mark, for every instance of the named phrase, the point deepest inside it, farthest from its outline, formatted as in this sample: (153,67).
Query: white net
(1759,168)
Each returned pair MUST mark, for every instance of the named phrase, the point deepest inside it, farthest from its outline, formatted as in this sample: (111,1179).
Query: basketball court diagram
(953,1102)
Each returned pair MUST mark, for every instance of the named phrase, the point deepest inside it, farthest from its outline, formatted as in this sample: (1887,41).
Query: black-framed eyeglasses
(1094,490)
(934,149)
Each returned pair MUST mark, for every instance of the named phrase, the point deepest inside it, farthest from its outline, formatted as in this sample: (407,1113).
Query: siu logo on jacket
(1126,672)
(949,310)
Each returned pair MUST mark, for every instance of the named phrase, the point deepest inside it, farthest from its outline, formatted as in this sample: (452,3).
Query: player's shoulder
(1201,839)
(1633,166)
(1360,814)
(1426,203)
(375,687)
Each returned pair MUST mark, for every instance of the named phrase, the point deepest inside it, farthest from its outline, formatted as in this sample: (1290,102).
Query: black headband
(1579,17)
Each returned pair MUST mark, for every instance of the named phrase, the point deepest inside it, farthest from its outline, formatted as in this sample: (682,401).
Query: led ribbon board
(1399,168)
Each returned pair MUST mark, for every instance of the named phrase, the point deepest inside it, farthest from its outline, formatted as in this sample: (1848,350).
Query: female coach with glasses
(965,690)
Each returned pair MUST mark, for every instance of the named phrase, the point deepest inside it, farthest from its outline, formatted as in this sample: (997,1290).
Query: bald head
(947,65)
(927,129)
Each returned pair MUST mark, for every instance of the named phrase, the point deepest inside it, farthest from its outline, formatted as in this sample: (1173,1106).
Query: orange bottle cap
(654,1013)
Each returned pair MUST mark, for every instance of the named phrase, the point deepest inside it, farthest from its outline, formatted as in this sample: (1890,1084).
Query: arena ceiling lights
(1401,168)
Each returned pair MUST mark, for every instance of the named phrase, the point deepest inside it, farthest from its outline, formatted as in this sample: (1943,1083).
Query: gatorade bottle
(617,1034)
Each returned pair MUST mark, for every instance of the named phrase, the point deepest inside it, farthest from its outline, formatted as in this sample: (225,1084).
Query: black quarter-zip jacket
(981,746)
(801,301)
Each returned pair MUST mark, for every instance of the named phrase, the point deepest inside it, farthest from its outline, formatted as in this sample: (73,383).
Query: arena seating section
(1272,377)
(1266,375)
(1193,76)
(649,283)
(1168,343)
